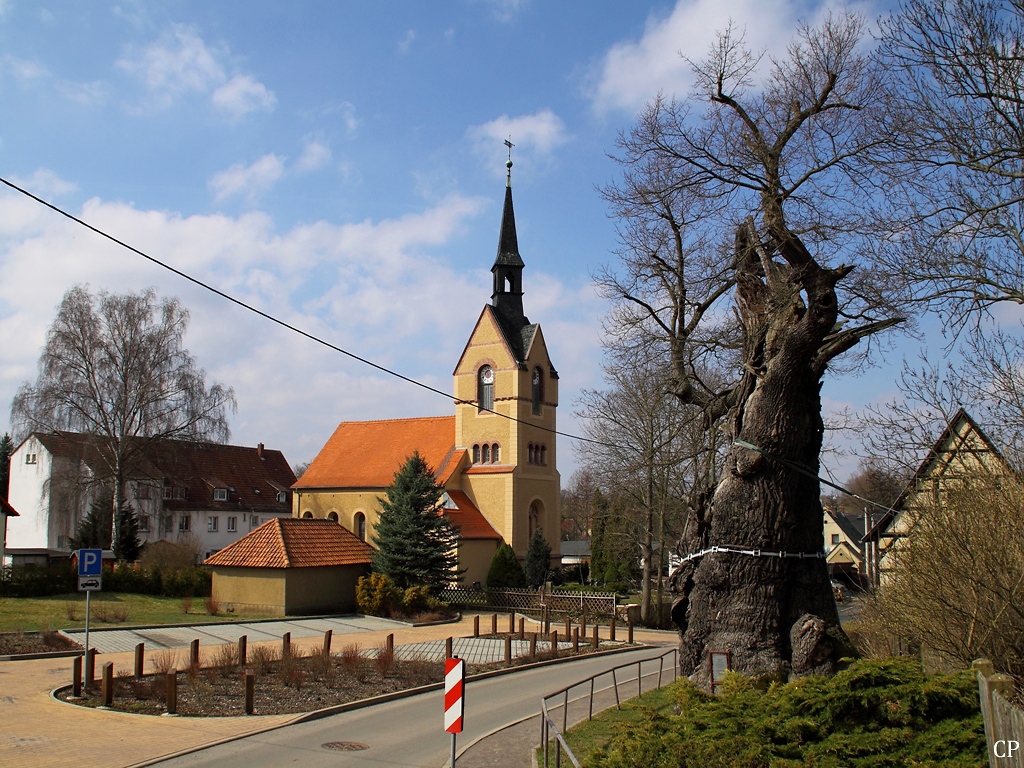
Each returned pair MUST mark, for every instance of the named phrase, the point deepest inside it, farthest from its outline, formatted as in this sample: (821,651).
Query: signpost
(454,698)
(90,579)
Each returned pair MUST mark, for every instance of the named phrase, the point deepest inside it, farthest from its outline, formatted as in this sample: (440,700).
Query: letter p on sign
(454,694)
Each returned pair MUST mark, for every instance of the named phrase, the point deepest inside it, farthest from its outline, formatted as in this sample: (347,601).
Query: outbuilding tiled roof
(467,518)
(291,542)
(366,454)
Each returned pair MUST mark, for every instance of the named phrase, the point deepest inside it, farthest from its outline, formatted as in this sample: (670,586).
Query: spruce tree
(127,546)
(94,531)
(6,449)
(538,559)
(415,542)
(505,571)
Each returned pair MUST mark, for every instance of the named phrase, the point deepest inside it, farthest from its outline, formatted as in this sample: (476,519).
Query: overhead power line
(282,323)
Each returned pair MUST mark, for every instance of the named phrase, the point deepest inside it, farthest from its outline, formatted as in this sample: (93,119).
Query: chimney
(259,450)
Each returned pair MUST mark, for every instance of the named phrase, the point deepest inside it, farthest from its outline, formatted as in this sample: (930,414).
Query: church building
(495,456)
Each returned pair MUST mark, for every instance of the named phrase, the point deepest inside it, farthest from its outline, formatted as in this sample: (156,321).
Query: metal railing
(549,730)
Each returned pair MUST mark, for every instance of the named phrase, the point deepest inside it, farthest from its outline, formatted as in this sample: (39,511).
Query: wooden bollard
(533,644)
(448,648)
(597,637)
(568,626)
(107,684)
(583,624)
(522,629)
(243,649)
(476,626)
(90,669)
(629,629)
(250,690)
(172,692)
(512,622)
(494,623)
(389,643)
(286,645)
(554,643)
(611,629)
(545,620)
(508,650)
(76,677)
(328,636)
(140,660)
(575,639)
(193,657)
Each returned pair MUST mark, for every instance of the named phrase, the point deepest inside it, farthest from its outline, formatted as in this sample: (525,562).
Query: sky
(341,166)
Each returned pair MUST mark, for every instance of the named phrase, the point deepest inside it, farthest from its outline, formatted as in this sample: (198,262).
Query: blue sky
(339,165)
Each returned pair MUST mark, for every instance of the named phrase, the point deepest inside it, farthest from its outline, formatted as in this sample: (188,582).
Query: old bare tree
(114,367)
(785,166)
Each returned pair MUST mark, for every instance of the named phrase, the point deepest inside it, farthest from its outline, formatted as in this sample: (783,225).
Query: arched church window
(529,453)
(307,515)
(538,390)
(359,523)
(485,456)
(494,453)
(543,455)
(485,389)
(476,454)
(534,518)
(332,516)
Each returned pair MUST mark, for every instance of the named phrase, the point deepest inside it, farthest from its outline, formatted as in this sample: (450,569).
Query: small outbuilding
(290,566)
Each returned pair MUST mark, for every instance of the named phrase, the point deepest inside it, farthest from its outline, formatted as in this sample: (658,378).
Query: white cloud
(27,73)
(180,63)
(506,10)
(315,155)
(535,136)
(242,95)
(250,180)
(46,184)
(406,42)
(634,71)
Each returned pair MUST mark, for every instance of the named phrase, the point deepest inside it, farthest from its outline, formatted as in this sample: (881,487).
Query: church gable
(486,342)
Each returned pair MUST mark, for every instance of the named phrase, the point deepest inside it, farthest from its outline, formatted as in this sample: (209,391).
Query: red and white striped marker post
(454,698)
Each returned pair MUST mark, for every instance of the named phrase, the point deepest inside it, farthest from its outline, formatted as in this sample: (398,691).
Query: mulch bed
(12,643)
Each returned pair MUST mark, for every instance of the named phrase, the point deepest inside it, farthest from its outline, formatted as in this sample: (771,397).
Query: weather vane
(509,144)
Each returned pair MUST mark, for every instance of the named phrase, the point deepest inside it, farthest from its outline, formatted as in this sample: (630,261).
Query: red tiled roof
(291,542)
(366,454)
(468,519)
(8,509)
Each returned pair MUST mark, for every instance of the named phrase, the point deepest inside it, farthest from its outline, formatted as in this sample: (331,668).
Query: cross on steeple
(508,165)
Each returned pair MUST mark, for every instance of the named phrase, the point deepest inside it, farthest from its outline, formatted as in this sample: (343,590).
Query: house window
(485,456)
(254,521)
(30,458)
(485,389)
(169,523)
(232,524)
(212,524)
(494,453)
(538,390)
(282,497)
(360,526)
(185,523)
(143,523)
(142,491)
(220,494)
(167,491)
(62,542)
(835,538)
(476,454)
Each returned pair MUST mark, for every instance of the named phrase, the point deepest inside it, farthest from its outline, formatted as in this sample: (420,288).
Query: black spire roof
(508,243)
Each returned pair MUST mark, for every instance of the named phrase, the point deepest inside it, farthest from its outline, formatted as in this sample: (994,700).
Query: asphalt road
(408,732)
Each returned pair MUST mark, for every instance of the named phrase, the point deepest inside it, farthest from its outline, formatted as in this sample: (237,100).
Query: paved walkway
(36,730)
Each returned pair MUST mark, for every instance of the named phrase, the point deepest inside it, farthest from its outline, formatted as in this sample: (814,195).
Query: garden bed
(18,643)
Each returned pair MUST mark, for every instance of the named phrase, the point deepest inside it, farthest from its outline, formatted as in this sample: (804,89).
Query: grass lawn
(109,609)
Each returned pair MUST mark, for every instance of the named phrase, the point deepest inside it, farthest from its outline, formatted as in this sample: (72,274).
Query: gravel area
(12,643)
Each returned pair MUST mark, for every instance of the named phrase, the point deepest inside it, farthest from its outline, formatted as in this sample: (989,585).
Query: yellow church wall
(346,503)
(475,556)
(492,495)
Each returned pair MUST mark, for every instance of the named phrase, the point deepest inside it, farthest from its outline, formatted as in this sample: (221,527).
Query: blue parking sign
(90,562)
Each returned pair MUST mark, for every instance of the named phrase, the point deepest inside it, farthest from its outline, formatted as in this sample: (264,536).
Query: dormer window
(485,389)
(282,497)
(220,494)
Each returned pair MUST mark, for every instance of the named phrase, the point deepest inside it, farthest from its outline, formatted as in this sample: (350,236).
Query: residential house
(6,510)
(495,456)
(210,492)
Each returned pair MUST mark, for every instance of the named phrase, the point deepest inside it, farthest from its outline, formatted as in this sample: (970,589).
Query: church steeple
(507,296)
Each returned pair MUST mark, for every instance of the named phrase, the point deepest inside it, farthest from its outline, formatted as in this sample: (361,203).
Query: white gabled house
(214,493)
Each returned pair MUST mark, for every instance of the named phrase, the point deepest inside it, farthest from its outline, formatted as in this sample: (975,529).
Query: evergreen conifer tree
(505,572)
(415,542)
(538,559)
(127,546)
(94,531)
(6,449)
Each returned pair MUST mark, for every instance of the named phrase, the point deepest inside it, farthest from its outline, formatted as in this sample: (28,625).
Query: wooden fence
(1004,722)
(574,605)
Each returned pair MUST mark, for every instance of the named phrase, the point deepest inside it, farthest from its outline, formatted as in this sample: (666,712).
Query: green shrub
(874,714)
(418,600)
(38,581)
(377,595)
(505,571)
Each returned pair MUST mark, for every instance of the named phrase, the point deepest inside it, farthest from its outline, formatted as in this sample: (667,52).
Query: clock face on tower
(487,375)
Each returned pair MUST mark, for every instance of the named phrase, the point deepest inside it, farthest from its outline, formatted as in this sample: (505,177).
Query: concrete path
(38,731)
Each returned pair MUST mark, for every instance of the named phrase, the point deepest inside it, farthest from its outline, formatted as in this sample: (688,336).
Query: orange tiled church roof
(366,454)
(467,518)
(292,542)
